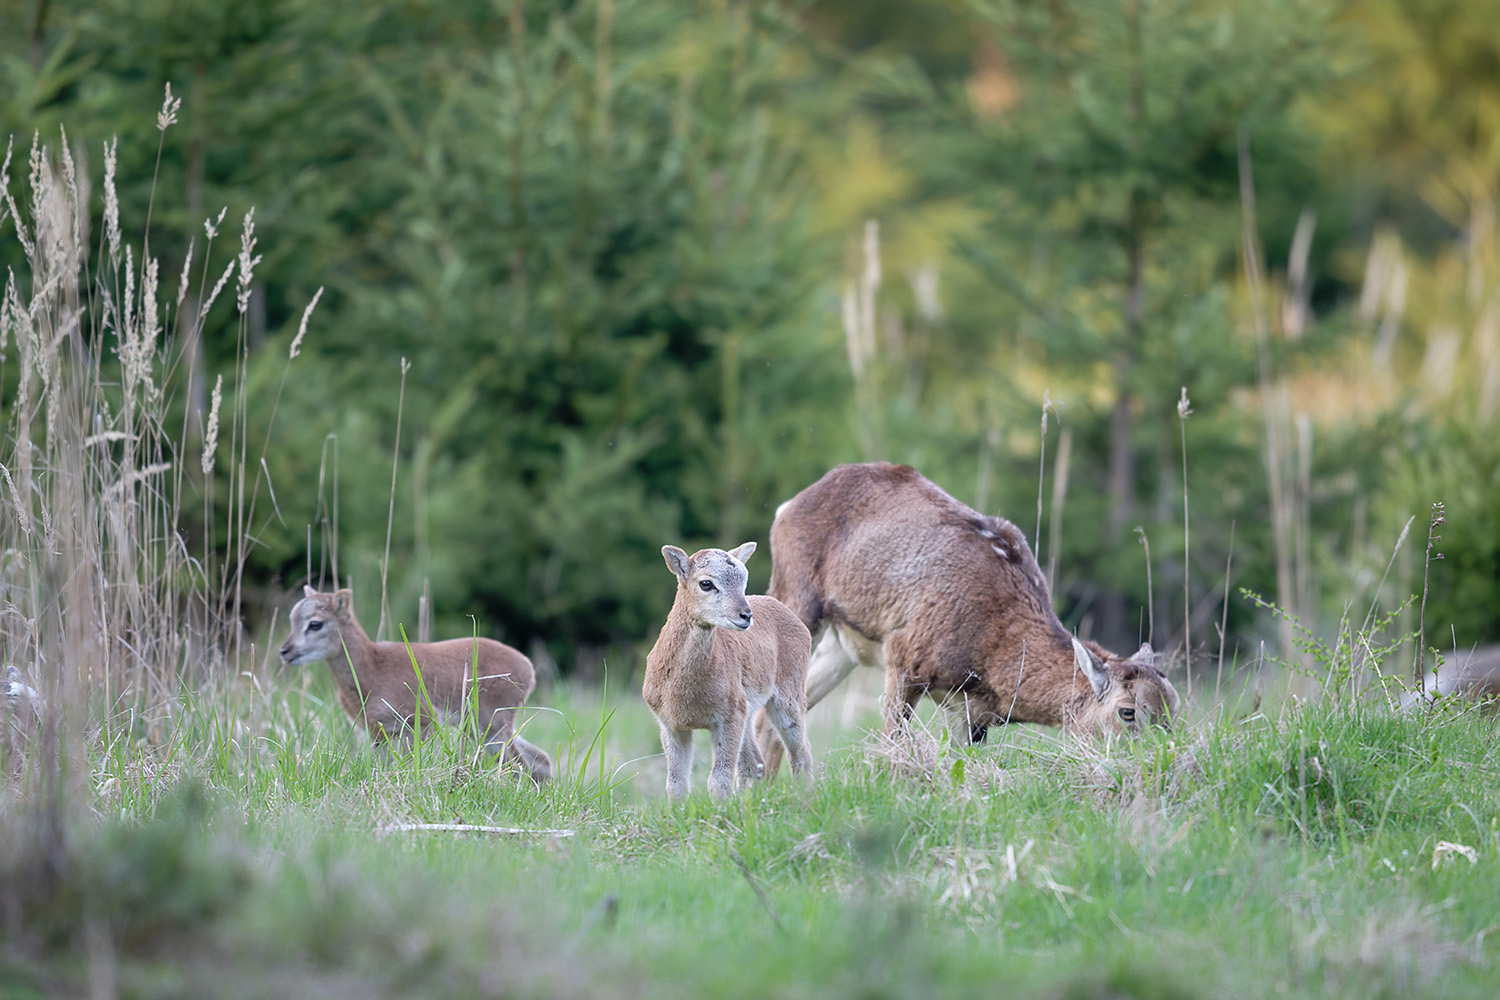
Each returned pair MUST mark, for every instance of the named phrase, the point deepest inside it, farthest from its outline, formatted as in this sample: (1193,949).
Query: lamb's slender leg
(830,664)
(533,759)
(500,737)
(727,738)
(791,724)
(678,745)
(752,768)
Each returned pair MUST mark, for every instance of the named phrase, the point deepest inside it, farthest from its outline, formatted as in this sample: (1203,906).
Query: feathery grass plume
(208,303)
(302,327)
(247,262)
(10,201)
(211,431)
(143,345)
(5,204)
(212,228)
(70,178)
(111,201)
(187,266)
(15,498)
(168,113)
(38,189)
(6,320)
(118,487)
(1184,410)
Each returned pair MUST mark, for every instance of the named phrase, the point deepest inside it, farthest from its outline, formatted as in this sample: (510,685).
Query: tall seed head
(211,432)
(168,113)
(302,327)
(111,202)
(248,259)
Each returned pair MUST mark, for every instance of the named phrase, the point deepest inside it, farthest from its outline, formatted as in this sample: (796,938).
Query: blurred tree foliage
(614,239)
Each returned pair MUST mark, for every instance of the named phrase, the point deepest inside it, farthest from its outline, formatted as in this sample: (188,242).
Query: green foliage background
(612,238)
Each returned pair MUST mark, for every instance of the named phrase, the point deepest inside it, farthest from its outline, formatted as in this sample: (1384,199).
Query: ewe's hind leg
(678,746)
(791,724)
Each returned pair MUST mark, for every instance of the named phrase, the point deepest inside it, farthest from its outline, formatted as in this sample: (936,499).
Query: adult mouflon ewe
(461,679)
(891,572)
(720,657)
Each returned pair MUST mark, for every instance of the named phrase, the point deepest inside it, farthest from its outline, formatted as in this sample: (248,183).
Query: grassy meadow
(186,818)
(1326,848)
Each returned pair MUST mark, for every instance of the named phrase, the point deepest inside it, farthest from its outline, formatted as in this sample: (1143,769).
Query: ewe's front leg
(901,692)
(678,746)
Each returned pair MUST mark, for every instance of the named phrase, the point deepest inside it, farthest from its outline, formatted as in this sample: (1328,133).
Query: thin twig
(759,892)
(385,828)
(1432,537)
(1224,622)
(385,564)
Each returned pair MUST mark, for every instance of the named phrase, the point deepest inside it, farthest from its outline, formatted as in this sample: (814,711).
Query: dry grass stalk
(1184,410)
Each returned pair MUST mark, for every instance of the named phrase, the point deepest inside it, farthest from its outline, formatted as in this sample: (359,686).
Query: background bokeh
(656,265)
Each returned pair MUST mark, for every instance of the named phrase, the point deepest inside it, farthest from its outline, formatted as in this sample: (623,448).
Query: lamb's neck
(353,663)
(683,640)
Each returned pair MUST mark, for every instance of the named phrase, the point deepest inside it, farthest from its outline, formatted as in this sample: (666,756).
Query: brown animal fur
(890,571)
(380,690)
(720,657)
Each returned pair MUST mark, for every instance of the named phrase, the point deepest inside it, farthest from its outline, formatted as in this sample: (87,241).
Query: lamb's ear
(343,600)
(744,552)
(677,561)
(307,590)
(1090,668)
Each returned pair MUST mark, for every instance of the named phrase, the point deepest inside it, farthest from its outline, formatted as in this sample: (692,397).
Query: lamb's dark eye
(314,626)
(1127,715)
(706,585)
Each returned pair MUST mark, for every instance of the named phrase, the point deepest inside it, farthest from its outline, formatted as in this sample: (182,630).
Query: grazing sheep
(380,689)
(720,658)
(891,572)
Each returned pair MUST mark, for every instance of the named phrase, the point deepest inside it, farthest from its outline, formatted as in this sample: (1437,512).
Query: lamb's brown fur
(892,572)
(461,679)
(720,657)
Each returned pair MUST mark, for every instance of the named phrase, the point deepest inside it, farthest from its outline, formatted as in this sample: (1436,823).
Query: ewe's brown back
(955,598)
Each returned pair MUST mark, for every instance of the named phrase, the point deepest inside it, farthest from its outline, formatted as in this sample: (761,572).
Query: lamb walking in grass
(720,657)
(380,688)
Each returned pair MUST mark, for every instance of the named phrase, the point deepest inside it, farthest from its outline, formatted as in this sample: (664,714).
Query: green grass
(1289,854)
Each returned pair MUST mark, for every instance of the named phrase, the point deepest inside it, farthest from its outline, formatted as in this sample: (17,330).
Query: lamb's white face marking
(714,581)
(315,628)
